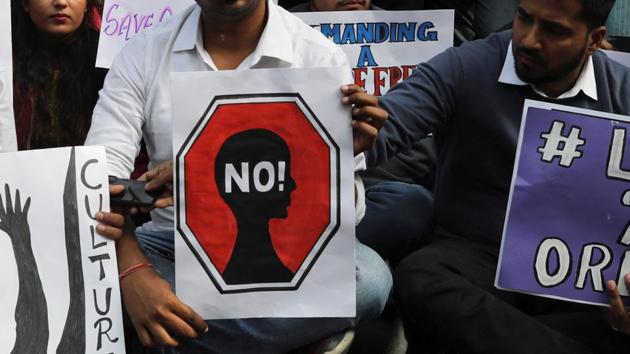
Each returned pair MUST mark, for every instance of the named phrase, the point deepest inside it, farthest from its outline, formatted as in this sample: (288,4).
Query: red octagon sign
(257,191)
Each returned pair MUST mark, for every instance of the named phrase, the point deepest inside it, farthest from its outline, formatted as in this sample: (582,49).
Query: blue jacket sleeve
(420,105)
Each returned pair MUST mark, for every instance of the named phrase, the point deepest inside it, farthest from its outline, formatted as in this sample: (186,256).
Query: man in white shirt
(135,103)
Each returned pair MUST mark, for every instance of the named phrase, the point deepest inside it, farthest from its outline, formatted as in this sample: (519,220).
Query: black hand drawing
(73,337)
(31,311)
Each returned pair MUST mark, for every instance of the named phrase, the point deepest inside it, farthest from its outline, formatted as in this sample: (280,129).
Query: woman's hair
(55,84)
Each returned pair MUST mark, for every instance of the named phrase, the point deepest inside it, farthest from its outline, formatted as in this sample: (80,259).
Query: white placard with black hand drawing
(60,292)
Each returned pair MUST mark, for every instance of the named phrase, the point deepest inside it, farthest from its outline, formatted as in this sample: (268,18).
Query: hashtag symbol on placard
(558,145)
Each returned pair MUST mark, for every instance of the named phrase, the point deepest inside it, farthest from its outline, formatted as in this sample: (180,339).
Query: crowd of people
(427,237)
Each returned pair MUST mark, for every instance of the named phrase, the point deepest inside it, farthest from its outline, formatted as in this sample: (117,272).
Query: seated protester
(334,5)
(55,82)
(399,204)
(135,102)
(7,122)
(471,98)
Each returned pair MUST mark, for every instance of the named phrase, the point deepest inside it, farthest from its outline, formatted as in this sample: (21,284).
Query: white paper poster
(383,47)
(621,57)
(265,193)
(60,290)
(5,34)
(123,19)
(7,124)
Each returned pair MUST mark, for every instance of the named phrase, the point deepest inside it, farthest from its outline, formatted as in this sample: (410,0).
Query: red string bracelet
(134,268)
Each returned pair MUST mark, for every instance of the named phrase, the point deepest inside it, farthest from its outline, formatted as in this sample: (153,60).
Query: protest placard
(567,228)
(264,193)
(123,19)
(59,277)
(383,47)
(620,57)
(5,33)
(7,124)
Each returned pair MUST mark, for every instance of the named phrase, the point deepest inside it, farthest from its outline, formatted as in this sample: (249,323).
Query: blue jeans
(272,335)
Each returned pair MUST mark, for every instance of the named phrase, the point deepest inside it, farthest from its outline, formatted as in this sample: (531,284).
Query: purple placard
(565,231)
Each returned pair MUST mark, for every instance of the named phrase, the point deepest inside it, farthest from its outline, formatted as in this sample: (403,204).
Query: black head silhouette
(252,172)
(253,176)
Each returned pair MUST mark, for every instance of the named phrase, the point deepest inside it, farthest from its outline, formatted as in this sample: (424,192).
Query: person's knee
(374,283)
(417,201)
(413,279)
(406,204)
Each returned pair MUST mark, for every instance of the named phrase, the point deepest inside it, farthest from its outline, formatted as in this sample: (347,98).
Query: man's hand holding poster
(60,289)
(384,47)
(264,194)
(123,19)
(567,228)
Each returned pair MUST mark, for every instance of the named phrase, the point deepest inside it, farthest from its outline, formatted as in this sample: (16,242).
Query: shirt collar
(187,37)
(274,42)
(586,81)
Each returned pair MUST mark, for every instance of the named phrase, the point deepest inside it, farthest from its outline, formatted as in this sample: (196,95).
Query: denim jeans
(272,335)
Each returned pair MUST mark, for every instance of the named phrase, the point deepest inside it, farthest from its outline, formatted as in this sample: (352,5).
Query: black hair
(55,86)
(595,12)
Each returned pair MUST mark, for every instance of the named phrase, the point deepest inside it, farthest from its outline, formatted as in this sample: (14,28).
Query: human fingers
(190,316)
(163,177)
(115,189)
(178,327)
(111,219)
(164,201)
(350,89)
(374,116)
(125,210)
(145,337)
(111,225)
(617,315)
(360,99)
(160,335)
(111,233)
(363,136)
(143,177)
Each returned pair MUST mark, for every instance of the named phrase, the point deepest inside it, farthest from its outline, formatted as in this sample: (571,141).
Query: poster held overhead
(61,293)
(567,227)
(264,194)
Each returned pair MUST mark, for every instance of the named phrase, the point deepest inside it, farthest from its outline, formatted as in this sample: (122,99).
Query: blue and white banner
(383,47)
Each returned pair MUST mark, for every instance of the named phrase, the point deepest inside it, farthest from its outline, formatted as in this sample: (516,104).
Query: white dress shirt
(585,83)
(135,101)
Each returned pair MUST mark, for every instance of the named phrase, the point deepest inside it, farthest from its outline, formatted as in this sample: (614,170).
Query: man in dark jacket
(472,98)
